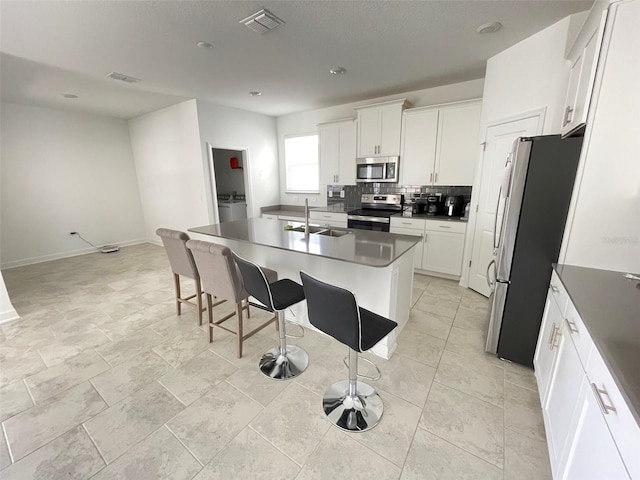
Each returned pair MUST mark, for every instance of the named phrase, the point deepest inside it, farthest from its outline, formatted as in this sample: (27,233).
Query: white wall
(305,122)
(530,75)
(168,162)
(234,129)
(63,172)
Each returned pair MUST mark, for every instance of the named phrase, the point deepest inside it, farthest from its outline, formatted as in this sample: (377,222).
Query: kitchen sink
(328,232)
(333,233)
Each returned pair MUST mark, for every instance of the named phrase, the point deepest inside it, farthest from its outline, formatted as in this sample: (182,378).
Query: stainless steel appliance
(531,211)
(376,212)
(453,205)
(377,169)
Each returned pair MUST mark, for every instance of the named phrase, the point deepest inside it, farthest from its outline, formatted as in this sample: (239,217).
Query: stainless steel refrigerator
(532,205)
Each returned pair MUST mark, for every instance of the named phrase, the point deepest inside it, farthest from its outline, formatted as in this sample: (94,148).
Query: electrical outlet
(73,233)
(330,193)
(341,193)
(313,199)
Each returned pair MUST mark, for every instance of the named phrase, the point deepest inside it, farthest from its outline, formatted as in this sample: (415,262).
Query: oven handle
(367,219)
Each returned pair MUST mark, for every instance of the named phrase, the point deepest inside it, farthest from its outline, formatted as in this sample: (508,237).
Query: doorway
(228,190)
(498,145)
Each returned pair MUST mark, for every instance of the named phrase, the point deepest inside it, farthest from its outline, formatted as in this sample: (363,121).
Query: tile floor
(100,379)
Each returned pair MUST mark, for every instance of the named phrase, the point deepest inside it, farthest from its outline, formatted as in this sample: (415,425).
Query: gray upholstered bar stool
(285,361)
(221,279)
(182,264)
(351,405)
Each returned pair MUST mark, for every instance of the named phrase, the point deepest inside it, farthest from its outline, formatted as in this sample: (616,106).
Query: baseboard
(72,253)
(9,316)
(437,274)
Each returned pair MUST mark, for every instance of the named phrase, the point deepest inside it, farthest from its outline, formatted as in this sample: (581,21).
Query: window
(301,160)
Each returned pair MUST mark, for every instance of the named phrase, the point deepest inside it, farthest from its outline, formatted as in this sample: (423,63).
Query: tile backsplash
(353,193)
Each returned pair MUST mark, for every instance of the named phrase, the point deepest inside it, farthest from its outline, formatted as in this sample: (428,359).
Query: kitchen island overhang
(376,266)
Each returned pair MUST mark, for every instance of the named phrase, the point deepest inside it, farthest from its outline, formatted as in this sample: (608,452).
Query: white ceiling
(387,47)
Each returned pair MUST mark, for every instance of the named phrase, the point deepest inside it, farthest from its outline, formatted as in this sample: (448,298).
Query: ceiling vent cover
(122,77)
(262,21)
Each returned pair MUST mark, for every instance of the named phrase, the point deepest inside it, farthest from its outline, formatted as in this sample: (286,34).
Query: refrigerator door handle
(495,223)
(506,183)
(489,282)
(498,280)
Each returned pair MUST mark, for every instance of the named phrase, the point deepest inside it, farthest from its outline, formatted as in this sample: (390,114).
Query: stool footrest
(379,373)
(288,335)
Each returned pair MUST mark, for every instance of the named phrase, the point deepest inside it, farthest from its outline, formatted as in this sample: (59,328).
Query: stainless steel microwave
(377,169)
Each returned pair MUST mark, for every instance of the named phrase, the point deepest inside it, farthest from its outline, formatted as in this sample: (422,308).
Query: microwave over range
(377,169)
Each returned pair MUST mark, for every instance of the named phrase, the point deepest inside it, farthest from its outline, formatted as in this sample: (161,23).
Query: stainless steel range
(376,212)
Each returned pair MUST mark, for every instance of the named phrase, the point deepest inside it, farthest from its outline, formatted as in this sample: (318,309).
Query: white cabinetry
(590,430)
(337,152)
(584,59)
(328,219)
(379,129)
(440,144)
(440,250)
(443,247)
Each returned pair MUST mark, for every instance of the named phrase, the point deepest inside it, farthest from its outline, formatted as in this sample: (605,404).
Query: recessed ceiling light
(255,94)
(489,27)
(204,45)
(123,77)
(337,71)
(69,95)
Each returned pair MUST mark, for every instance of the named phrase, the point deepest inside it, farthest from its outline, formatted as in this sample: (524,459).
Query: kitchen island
(376,266)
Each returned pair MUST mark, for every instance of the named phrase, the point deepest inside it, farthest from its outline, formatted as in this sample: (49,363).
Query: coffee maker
(453,205)
(433,205)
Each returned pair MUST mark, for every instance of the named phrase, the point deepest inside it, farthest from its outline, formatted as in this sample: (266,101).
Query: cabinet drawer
(558,292)
(335,217)
(623,426)
(291,218)
(269,216)
(408,222)
(578,333)
(445,226)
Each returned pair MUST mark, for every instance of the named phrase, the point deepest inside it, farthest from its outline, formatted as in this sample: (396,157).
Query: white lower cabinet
(442,245)
(591,433)
(593,453)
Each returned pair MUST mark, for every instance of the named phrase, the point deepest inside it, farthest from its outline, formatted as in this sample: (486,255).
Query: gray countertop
(363,247)
(442,218)
(609,306)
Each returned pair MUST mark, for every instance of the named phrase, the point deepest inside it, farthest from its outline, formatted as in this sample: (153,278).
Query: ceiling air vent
(262,21)
(123,77)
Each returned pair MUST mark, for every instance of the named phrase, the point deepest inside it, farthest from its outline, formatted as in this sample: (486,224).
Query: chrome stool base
(357,413)
(283,367)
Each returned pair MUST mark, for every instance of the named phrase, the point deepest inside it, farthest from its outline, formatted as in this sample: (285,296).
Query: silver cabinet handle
(555,334)
(430,177)
(554,289)
(551,334)
(444,226)
(571,326)
(436,177)
(603,406)
(568,116)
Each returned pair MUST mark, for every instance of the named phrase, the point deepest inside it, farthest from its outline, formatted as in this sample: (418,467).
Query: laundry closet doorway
(228,183)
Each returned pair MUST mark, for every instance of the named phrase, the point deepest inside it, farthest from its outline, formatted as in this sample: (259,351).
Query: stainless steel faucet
(306,217)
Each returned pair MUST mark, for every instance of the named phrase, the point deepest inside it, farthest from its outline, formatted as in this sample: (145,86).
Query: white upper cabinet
(337,145)
(584,59)
(457,151)
(419,135)
(440,144)
(379,128)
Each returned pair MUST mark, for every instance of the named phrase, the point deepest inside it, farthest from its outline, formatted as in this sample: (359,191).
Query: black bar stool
(285,361)
(351,405)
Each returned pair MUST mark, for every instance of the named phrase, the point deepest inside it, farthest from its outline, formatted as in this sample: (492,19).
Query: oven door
(368,223)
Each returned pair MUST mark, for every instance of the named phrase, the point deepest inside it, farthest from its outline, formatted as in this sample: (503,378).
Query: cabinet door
(572,91)
(458,146)
(347,154)
(587,78)
(545,351)
(592,454)
(562,396)
(443,252)
(419,133)
(329,153)
(368,132)
(418,249)
(390,126)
